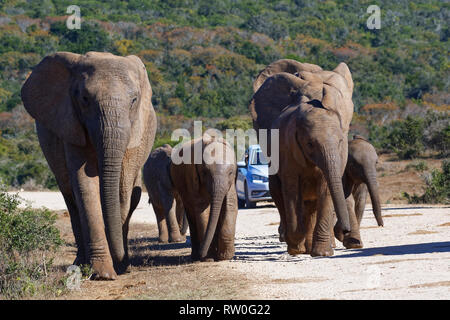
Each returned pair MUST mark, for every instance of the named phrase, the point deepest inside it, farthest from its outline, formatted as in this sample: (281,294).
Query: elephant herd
(96,126)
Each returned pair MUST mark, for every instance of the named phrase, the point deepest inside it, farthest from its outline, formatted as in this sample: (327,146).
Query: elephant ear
(344,71)
(46,97)
(140,124)
(283,65)
(337,93)
(275,94)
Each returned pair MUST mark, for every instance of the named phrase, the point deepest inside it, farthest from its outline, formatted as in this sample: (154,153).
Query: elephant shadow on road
(147,251)
(417,248)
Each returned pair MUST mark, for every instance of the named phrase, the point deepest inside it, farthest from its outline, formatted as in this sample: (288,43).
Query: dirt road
(407,259)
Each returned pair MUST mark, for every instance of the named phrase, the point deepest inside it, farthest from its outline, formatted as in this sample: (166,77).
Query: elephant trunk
(333,174)
(372,185)
(218,193)
(111,150)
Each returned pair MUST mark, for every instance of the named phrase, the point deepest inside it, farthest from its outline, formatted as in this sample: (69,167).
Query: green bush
(437,187)
(28,243)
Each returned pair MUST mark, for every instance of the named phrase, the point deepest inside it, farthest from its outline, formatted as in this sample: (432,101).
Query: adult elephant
(207,189)
(96,126)
(167,204)
(360,178)
(312,110)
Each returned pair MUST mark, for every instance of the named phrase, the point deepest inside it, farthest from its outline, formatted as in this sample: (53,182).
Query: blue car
(252,181)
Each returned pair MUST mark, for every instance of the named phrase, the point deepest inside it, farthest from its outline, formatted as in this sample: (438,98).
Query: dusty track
(407,259)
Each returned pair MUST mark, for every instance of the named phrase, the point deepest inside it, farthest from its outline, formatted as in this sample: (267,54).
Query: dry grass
(418,232)
(432,284)
(402,215)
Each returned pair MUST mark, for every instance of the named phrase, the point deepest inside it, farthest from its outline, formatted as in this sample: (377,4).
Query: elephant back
(283,65)
(331,90)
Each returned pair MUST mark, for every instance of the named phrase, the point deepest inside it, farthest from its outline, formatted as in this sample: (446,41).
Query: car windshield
(258,159)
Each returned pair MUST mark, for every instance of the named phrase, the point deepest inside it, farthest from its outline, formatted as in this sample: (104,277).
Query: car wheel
(248,203)
(241,203)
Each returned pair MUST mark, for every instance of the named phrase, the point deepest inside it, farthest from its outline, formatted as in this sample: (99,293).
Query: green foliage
(437,187)
(22,162)
(418,166)
(28,243)
(409,137)
(90,38)
(235,123)
(202,57)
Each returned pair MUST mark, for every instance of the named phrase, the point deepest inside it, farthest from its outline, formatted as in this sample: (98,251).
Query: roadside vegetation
(29,241)
(202,56)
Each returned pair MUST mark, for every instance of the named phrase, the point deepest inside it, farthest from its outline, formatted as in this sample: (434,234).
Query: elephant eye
(133,101)
(310,145)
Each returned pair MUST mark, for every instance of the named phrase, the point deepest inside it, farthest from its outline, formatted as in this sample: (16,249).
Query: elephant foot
(207,259)
(103,270)
(353,243)
(338,233)
(282,238)
(322,250)
(177,239)
(296,250)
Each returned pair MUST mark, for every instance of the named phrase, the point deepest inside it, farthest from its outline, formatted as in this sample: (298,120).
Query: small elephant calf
(167,204)
(207,188)
(360,177)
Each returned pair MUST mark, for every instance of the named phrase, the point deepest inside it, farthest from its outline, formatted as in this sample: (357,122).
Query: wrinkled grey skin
(312,109)
(167,204)
(360,178)
(209,196)
(96,126)
(360,172)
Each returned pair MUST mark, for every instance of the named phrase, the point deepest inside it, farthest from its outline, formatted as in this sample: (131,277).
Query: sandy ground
(407,259)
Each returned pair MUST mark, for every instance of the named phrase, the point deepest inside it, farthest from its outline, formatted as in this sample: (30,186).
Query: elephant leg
(84,179)
(130,195)
(196,230)
(321,245)
(353,239)
(293,205)
(172,223)
(53,149)
(163,232)
(309,221)
(277,196)
(82,256)
(332,235)
(360,196)
(226,228)
(181,215)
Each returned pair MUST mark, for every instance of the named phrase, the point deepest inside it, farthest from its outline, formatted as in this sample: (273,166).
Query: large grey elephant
(96,126)
(166,202)
(360,178)
(312,109)
(207,189)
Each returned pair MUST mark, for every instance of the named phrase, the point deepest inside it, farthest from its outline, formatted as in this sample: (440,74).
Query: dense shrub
(28,243)
(409,137)
(437,188)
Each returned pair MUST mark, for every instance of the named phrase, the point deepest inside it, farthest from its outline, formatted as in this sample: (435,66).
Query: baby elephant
(203,171)
(167,204)
(360,177)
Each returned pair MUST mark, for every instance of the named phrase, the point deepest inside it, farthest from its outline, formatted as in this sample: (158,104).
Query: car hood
(262,170)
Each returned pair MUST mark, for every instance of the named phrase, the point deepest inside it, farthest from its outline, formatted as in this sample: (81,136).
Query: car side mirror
(241,164)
